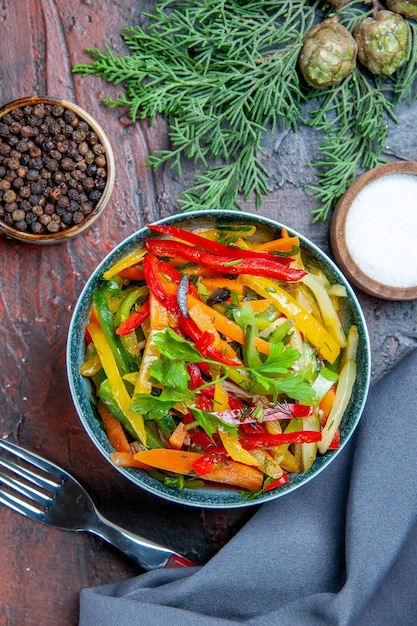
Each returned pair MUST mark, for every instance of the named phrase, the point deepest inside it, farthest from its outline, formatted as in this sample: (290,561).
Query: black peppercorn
(53,168)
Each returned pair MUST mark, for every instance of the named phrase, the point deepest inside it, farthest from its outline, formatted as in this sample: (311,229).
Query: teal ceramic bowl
(215,496)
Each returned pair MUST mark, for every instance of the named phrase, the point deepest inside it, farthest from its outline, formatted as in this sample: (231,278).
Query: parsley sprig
(170,373)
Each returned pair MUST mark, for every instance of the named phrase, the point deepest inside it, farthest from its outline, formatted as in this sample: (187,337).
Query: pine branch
(224,72)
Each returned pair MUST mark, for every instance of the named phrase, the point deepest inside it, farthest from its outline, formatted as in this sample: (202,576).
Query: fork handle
(147,554)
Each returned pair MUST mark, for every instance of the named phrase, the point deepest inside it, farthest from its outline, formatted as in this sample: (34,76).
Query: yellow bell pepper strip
(226,264)
(132,259)
(220,398)
(117,385)
(270,467)
(160,318)
(215,247)
(227,327)
(236,451)
(92,366)
(316,334)
(228,234)
(149,356)
(329,315)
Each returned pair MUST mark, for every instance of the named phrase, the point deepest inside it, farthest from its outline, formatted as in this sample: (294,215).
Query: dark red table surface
(44,569)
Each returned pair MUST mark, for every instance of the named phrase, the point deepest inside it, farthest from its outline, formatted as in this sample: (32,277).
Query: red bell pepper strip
(203,342)
(217,248)
(276,483)
(208,462)
(87,337)
(153,270)
(198,437)
(235,403)
(134,320)
(151,267)
(251,442)
(256,267)
(254,428)
(196,379)
(204,403)
(335,443)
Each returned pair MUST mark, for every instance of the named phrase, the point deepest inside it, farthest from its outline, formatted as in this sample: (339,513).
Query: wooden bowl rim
(338,242)
(68,233)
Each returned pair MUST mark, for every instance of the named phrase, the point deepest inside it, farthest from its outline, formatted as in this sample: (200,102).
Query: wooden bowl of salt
(373,232)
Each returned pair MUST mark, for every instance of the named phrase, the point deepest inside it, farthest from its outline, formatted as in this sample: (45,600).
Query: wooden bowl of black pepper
(56,170)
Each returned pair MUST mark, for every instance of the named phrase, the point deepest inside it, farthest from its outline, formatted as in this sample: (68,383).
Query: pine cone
(328,54)
(408,8)
(382,42)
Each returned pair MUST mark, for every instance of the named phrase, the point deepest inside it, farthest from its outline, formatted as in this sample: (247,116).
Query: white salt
(381,230)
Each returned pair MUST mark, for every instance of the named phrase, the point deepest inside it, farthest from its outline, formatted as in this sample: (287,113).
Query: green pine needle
(224,72)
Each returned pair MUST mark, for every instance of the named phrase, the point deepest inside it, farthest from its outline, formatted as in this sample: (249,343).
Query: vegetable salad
(219,359)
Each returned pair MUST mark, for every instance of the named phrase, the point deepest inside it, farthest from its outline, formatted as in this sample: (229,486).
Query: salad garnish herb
(170,372)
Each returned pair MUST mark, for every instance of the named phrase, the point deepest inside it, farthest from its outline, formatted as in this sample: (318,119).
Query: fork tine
(34,459)
(36,479)
(26,489)
(21,506)
(38,487)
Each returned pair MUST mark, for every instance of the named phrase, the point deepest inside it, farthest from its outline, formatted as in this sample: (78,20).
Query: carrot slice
(237,474)
(223,325)
(326,404)
(181,462)
(178,461)
(113,428)
(285,244)
(222,283)
(126,459)
(179,437)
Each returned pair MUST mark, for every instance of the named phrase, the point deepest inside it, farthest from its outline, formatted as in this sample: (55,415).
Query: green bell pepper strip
(106,396)
(224,264)
(132,295)
(105,317)
(251,356)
